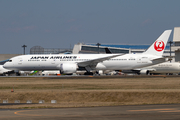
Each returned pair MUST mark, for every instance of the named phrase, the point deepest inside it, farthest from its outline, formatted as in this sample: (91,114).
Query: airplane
(162,68)
(70,63)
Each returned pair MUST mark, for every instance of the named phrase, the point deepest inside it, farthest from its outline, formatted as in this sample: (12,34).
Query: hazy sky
(63,23)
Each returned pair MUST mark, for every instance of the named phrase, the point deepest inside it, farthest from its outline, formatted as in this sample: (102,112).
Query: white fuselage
(164,68)
(53,62)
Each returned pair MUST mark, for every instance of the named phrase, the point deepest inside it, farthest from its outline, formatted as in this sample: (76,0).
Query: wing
(94,62)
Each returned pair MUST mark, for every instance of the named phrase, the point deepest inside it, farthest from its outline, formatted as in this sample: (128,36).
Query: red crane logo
(159,45)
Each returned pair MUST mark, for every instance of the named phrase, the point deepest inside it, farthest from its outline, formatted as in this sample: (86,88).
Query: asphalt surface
(134,112)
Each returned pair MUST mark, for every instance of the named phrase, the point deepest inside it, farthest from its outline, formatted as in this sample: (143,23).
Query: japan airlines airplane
(70,63)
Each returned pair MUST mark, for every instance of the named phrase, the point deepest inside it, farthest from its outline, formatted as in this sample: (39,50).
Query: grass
(89,92)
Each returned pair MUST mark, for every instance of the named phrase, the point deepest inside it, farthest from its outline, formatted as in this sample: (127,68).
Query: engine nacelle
(144,72)
(68,68)
(100,72)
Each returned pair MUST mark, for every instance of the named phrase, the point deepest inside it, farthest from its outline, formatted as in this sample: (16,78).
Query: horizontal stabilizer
(160,60)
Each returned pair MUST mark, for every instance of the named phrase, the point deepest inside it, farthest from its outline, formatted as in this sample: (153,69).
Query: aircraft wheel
(147,73)
(88,73)
(18,74)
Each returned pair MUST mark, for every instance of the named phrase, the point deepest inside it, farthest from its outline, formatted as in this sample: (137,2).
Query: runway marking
(158,110)
(172,111)
(22,113)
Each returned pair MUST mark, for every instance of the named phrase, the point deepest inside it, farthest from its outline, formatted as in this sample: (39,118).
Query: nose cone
(7,65)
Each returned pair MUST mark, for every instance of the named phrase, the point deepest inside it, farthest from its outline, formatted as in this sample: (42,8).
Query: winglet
(157,48)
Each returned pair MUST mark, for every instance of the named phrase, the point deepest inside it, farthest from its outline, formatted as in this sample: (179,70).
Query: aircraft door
(20,60)
(53,61)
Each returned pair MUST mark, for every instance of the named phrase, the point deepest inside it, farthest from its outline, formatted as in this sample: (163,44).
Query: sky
(63,23)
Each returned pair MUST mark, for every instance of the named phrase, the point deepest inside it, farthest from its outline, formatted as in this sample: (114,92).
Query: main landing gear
(88,73)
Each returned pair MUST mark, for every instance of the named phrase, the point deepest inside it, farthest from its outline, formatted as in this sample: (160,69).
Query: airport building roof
(41,50)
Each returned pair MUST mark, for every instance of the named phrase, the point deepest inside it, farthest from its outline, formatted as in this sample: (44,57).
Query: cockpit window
(10,61)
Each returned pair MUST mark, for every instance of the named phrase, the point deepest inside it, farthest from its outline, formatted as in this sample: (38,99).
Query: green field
(92,91)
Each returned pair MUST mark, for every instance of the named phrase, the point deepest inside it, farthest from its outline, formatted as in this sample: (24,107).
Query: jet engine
(144,72)
(68,68)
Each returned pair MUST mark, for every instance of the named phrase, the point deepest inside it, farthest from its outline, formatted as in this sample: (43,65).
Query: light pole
(170,42)
(24,46)
(98,44)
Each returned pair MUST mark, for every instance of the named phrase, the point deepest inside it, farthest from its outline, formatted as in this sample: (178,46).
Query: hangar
(176,46)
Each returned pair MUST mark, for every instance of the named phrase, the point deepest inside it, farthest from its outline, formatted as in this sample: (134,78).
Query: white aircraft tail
(157,48)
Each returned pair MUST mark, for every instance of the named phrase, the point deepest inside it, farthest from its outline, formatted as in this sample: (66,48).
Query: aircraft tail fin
(157,48)
(108,51)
